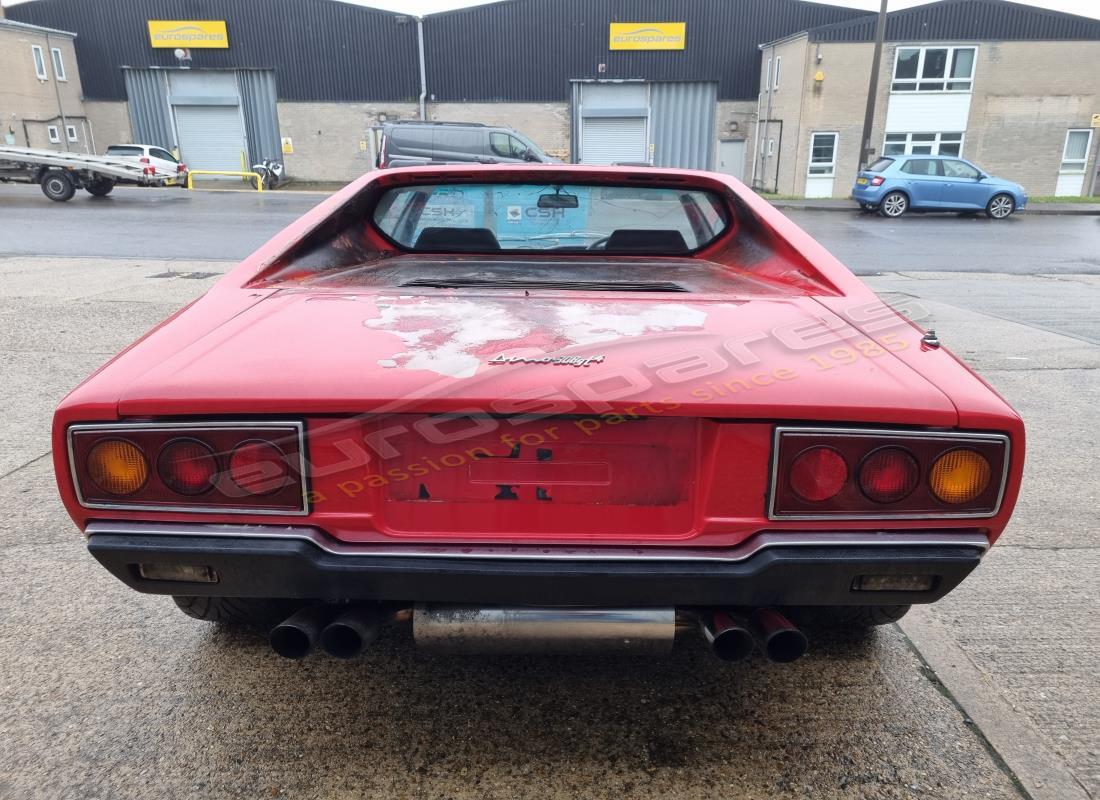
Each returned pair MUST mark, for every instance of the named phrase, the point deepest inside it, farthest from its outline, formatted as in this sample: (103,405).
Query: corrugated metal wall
(261,117)
(150,117)
(682,124)
(968,20)
(528,50)
(319,49)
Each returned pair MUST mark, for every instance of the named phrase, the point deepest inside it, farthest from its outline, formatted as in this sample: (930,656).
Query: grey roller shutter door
(606,140)
(211,137)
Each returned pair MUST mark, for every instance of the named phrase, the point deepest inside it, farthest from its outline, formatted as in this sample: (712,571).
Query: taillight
(258,467)
(188,466)
(181,168)
(117,466)
(144,160)
(838,473)
(818,474)
(878,180)
(210,467)
(889,474)
(958,476)
(149,171)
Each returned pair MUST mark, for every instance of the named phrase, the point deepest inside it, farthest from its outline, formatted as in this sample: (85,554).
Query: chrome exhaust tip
(777,636)
(351,632)
(729,636)
(297,635)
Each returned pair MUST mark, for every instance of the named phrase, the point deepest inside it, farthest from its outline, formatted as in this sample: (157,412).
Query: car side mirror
(981,176)
(529,156)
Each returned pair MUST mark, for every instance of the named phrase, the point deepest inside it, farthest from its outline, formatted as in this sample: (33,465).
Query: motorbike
(270,172)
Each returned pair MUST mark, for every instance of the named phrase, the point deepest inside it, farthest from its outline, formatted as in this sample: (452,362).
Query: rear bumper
(868,194)
(771,569)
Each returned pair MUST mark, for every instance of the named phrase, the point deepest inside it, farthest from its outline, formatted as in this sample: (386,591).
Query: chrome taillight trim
(962,438)
(122,428)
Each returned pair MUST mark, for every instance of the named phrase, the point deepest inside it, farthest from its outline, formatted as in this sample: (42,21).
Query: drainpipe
(423,77)
(768,125)
(57,91)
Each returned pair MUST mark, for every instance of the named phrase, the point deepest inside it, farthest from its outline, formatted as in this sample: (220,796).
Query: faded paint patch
(454,337)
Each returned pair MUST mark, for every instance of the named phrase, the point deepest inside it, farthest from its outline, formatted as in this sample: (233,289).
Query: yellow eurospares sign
(648,35)
(188,33)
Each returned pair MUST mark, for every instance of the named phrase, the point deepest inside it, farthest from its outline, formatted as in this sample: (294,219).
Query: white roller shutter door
(210,137)
(606,140)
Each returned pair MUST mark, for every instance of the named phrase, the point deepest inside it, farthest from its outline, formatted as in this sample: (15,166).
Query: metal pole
(872,89)
(767,126)
(423,76)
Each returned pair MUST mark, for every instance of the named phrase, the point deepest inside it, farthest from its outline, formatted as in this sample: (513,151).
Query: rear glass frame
(719,210)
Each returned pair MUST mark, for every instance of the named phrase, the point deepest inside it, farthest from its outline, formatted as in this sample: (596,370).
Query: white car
(154,156)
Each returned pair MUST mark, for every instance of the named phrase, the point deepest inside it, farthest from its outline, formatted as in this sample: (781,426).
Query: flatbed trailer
(60,174)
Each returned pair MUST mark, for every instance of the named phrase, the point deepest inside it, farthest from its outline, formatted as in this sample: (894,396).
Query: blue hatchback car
(896,184)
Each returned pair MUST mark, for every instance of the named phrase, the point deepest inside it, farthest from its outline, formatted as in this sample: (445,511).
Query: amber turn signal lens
(117,466)
(959,476)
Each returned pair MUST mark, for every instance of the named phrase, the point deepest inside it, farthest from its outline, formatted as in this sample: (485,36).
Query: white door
(1075,156)
(822,166)
(731,157)
(210,137)
(607,140)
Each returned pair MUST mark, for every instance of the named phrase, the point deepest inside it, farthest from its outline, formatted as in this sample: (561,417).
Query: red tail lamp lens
(889,475)
(187,466)
(258,467)
(818,474)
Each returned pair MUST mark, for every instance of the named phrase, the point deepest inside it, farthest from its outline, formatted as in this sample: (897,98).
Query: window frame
(54,134)
(38,55)
(71,134)
(831,166)
(58,64)
(775,79)
(939,167)
(937,143)
(768,76)
(914,84)
(1062,170)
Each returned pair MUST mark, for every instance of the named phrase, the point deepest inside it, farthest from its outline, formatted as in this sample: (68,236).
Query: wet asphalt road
(110,694)
(173,223)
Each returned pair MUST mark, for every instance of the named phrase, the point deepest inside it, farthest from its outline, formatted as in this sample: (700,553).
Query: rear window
(124,150)
(880,165)
(491,217)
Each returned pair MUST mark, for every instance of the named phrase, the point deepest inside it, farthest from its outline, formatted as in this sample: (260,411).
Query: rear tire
(894,205)
(100,187)
(57,185)
(263,613)
(1001,206)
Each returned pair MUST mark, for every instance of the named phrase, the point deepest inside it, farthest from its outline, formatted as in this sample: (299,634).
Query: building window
(923,144)
(58,64)
(1076,151)
(70,132)
(52,132)
(768,77)
(39,63)
(778,64)
(934,69)
(823,155)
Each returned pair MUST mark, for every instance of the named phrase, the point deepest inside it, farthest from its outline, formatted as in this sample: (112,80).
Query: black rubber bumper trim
(298,569)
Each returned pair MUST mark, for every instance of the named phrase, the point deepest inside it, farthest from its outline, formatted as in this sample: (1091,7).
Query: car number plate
(861,181)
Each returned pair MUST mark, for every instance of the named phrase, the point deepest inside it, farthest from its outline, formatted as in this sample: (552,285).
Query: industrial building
(682,83)
(41,102)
